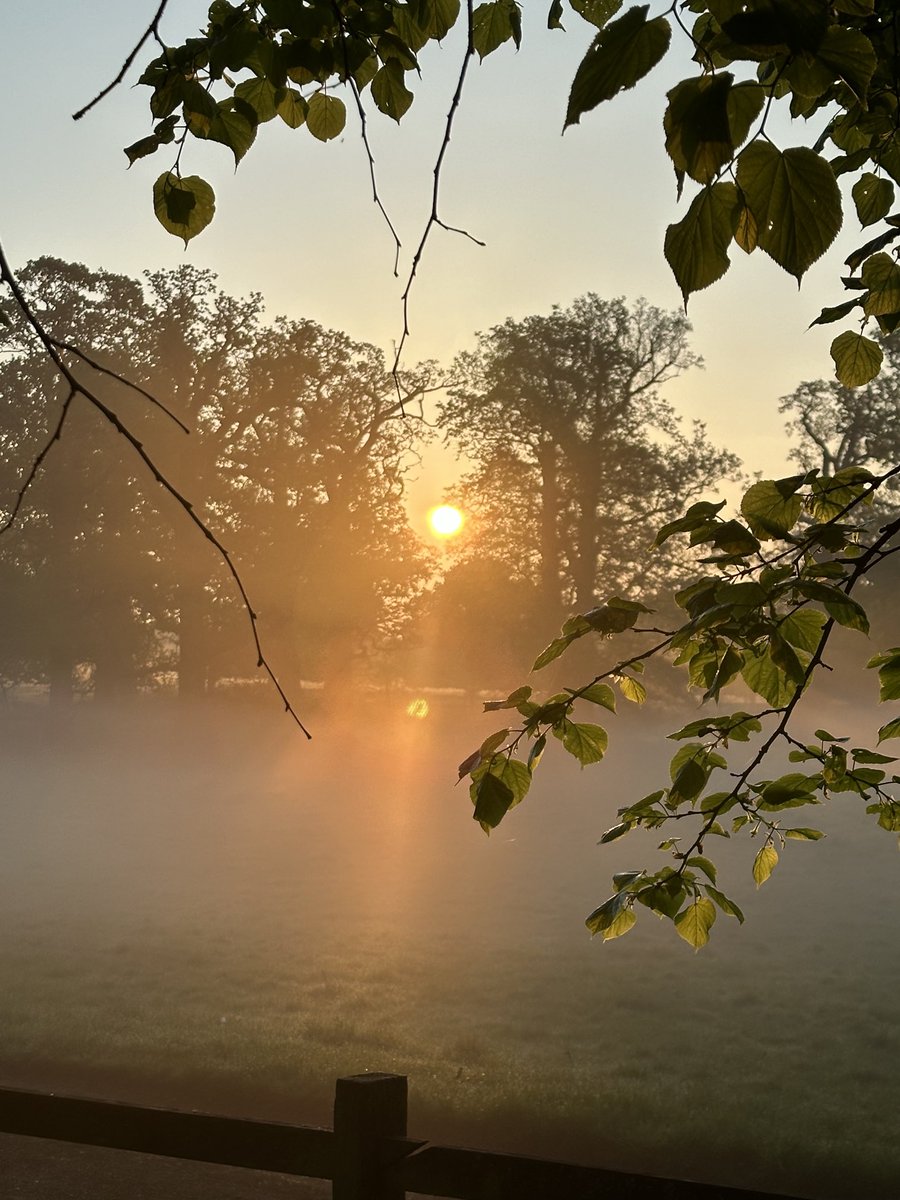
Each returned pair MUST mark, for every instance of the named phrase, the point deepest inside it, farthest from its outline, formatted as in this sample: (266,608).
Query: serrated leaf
(587,743)
(631,689)
(803,628)
(234,127)
(292,109)
(727,906)
(261,95)
(891,730)
(851,56)
(696,921)
(881,275)
(183,206)
(697,126)
(764,864)
(803,835)
(697,247)
(551,652)
(770,512)
(491,26)
(762,676)
(703,864)
(857,359)
(623,52)
(389,90)
(600,693)
(873,197)
(493,800)
(796,202)
(609,916)
(837,312)
(325,116)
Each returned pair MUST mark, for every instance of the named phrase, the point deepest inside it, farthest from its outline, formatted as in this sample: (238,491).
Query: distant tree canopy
(297,456)
(577,456)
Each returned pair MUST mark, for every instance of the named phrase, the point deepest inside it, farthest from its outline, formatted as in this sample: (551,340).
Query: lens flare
(417,708)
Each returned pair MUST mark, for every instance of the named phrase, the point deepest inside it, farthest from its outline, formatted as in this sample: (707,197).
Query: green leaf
(857,359)
(704,865)
(600,693)
(493,800)
(696,921)
(795,200)
(881,275)
(326,116)
(891,730)
(292,109)
(614,833)
(837,312)
(587,743)
(803,628)
(803,835)
(850,55)
(888,666)
(183,206)
(234,127)
(631,689)
(551,652)
(697,126)
(493,742)
(622,53)
(727,906)
(536,751)
(389,90)
(762,676)
(788,790)
(262,97)
(492,25)
(873,197)
(140,149)
(697,247)
(772,507)
(764,864)
(608,918)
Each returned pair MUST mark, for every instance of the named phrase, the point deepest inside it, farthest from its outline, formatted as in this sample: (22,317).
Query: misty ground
(203,910)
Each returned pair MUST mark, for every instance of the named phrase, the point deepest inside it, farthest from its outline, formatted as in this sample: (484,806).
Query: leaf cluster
(775,581)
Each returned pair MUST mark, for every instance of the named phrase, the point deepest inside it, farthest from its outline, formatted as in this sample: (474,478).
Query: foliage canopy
(772,583)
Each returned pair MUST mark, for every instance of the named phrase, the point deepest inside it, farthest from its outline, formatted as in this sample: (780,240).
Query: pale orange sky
(560,215)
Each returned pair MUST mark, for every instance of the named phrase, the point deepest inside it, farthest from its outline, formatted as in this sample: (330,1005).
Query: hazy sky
(560,215)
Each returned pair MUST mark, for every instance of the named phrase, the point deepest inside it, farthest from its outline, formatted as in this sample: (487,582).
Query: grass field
(213,913)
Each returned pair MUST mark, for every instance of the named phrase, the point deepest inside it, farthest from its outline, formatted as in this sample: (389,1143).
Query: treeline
(300,451)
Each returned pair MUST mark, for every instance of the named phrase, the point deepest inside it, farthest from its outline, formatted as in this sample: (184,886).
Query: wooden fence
(367,1155)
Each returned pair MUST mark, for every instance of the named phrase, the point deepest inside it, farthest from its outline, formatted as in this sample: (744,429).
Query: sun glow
(445,521)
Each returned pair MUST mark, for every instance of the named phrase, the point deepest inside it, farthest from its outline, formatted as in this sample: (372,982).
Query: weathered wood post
(367,1109)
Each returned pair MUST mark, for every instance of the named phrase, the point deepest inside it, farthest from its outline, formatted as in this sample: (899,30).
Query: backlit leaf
(796,202)
(696,921)
(622,53)
(857,359)
(873,197)
(587,743)
(771,509)
(697,247)
(183,206)
(764,864)
(325,116)
(389,90)
(881,275)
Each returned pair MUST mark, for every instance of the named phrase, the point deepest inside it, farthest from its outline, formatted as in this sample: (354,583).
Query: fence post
(367,1109)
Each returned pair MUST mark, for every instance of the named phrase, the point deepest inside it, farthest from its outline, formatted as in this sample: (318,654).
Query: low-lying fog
(210,911)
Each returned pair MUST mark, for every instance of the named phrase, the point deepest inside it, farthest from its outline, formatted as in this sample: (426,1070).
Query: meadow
(209,912)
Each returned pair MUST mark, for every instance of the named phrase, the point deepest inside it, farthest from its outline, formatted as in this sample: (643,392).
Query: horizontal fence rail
(367,1155)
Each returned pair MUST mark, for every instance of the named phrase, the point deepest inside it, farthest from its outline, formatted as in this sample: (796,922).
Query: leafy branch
(784,574)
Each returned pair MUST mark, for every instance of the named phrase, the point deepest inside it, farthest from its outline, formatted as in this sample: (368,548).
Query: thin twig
(433,218)
(135,387)
(77,387)
(36,465)
(152,30)
(364,132)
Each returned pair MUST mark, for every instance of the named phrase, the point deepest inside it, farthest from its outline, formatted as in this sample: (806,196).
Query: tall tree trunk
(548,462)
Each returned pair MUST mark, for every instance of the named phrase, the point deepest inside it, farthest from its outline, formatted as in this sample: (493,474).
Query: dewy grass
(239,950)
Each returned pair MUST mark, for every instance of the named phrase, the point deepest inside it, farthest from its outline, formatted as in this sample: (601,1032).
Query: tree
(772,584)
(578,457)
(296,456)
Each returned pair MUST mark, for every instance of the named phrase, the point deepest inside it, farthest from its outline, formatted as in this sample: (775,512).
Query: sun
(445,521)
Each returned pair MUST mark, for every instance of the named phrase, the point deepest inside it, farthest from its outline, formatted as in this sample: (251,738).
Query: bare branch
(36,465)
(77,387)
(433,218)
(364,132)
(152,30)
